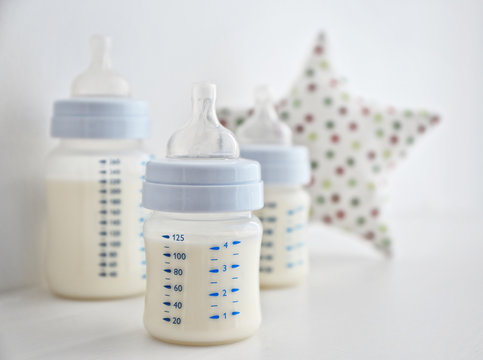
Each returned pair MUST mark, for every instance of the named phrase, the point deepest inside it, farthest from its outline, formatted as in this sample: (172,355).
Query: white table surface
(425,303)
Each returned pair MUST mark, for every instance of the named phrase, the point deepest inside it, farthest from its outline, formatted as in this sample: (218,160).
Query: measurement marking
(214,270)
(167,279)
(213,259)
(236,242)
(167,303)
(165,236)
(235,301)
(166,247)
(234,266)
(167,286)
(235,278)
(214,294)
(215,248)
(214,282)
(215,317)
(235,290)
(236,254)
(214,306)
(167,270)
(167,319)
(235,313)
(167,254)
(166,311)
(166,295)
(167,262)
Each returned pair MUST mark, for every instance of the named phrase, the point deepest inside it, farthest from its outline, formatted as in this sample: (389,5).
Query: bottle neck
(100,144)
(203,216)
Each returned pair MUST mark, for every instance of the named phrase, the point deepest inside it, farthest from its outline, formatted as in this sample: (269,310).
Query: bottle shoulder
(202,224)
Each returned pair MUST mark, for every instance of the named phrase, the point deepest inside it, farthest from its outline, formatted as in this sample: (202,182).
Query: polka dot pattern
(353,145)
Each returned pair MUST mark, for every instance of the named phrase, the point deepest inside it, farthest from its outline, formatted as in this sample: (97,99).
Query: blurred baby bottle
(94,186)
(202,241)
(285,168)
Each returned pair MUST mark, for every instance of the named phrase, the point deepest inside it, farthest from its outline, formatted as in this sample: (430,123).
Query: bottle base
(201,343)
(96,297)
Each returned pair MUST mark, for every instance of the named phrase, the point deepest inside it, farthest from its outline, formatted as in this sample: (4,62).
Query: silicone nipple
(264,126)
(100,79)
(203,136)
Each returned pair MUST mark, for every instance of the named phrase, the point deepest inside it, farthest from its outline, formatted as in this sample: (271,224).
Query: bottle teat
(264,126)
(203,136)
(100,79)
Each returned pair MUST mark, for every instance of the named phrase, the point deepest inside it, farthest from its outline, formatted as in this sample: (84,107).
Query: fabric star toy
(353,146)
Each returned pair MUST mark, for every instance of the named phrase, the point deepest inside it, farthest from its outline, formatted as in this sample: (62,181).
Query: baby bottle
(202,241)
(285,168)
(95,246)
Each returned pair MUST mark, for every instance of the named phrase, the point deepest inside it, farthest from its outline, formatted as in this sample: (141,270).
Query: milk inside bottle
(202,241)
(285,168)
(94,180)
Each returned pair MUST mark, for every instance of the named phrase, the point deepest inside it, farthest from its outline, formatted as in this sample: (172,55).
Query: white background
(408,53)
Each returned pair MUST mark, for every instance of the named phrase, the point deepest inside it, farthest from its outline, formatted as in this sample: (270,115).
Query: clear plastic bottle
(94,177)
(202,241)
(285,169)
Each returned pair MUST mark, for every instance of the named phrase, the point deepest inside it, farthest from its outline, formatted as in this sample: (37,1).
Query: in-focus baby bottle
(95,246)
(285,168)
(202,241)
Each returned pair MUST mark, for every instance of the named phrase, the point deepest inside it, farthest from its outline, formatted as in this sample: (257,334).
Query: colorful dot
(320,199)
(309,118)
(379,133)
(365,111)
(377,117)
(312,136)
(352,182)
(299,128)
(394,139)
(339,170)
(284,115)
(340,214)
(356,145)
(355,202)
(318,50)
(312,87)
(309,72)
(335,198)
(324,64)
(408,113)
(240,121)
(361,220)
(350,161)
(329,124)
(353,126)
(328,101)
(343,110)
(386,154)
(326,184)
(410,140)
(314,164)
(369,235)
(327,219)
(329,154)
(335,138)
(396,125)
(421,129)
(375,212)
(371,155)
(296,103)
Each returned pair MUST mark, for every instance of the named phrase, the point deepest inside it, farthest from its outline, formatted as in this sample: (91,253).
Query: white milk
(202,275)
(284,255)
(94,247)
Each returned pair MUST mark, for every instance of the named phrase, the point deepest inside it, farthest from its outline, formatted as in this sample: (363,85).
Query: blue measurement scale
(224,300)
(110,215)
(272,229)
